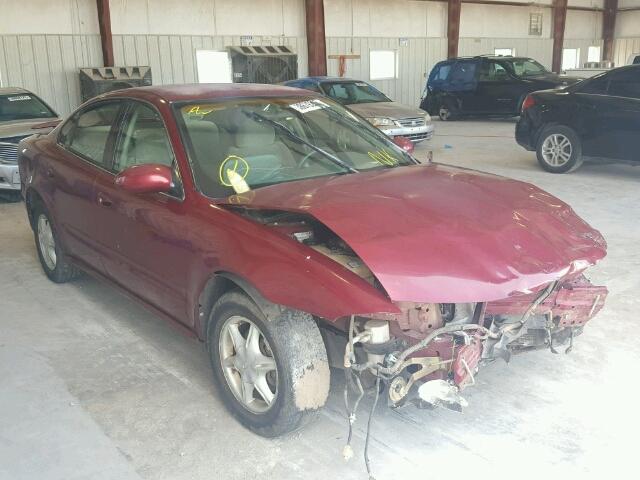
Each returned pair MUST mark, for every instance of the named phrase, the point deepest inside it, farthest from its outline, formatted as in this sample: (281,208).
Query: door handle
(103,200)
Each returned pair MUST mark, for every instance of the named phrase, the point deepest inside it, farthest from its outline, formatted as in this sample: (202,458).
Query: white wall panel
(48,17)
(583,25)
(208,17)
(490,21)
(624,48)
(628,24)
(48,65)
(384,19)
(415,61)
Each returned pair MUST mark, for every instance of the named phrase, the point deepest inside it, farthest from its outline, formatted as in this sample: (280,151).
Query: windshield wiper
(299,139)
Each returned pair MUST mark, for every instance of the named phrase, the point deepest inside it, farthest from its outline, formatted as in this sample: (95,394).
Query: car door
(623,111)
(495,92)
(144,233)
(81,154)
(462,85)
(608,115)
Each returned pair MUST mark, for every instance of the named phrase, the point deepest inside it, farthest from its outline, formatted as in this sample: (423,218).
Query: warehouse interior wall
(45,54)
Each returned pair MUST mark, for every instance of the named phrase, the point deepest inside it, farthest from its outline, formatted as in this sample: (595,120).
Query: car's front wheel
(559,149)
(273,373)
(447,111)
(52,257)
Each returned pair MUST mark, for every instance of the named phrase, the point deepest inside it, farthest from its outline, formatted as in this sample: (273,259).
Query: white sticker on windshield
(19,98)
(362,84)
(309,105)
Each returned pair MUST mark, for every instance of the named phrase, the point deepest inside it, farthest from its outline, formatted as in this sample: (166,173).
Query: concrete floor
(92,386)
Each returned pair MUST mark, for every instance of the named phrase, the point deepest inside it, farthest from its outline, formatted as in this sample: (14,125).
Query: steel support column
(316,41)
(608,28)
(559,20)
(453,27)
(106,40)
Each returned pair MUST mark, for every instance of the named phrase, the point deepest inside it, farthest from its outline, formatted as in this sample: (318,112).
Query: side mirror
(148,178)
(404,143)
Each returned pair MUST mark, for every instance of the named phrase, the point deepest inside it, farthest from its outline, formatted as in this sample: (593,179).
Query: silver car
(393,118)
(21,114)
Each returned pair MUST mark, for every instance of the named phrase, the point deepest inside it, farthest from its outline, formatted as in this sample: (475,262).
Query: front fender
(274,268)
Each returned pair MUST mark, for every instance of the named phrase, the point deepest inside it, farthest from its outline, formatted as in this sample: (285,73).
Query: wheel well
(216,286)
(32,199)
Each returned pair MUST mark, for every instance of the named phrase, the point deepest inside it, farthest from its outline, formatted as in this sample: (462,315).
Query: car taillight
(528,102)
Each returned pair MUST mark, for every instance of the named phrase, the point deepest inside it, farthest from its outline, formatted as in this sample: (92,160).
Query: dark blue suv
(485,86)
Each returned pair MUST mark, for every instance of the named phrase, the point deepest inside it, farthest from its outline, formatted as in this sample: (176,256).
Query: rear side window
(87,134)
(440,74)
(625,83)
(595,86)
(463,72)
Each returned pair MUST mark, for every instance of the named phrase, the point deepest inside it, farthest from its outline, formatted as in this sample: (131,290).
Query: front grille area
(418,137)
(8,152)
(412,122)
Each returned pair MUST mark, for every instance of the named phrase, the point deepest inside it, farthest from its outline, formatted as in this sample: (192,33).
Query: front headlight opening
(380,121)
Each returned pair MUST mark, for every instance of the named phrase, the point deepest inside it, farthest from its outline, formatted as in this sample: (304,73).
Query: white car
(21,114)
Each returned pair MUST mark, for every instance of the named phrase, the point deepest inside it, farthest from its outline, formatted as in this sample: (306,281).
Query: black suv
(485,85)
(599,117)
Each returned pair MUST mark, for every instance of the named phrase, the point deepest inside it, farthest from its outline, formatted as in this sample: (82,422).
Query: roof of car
(208,91)
(12,90)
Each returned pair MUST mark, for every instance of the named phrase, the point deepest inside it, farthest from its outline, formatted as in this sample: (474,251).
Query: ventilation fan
(268,64)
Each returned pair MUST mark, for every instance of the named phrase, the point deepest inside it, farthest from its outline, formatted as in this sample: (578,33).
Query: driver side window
(144,140)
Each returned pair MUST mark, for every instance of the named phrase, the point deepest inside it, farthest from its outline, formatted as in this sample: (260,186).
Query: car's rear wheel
(273,374)
(447,111)
(52,257)
(559,150)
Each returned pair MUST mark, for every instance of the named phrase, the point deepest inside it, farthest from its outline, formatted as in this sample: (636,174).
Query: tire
(290,343)
(447,111)
(52,257)
(567,155)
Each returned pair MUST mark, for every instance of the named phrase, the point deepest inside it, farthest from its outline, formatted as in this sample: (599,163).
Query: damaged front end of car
(429,353)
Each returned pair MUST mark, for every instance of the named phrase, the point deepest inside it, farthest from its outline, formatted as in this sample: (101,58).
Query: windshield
(23,106)
(526,67)
(350,93)
(242,144)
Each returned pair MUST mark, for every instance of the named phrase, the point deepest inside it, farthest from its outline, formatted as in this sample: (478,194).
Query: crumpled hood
(19,128)
(433,233)
(392,110)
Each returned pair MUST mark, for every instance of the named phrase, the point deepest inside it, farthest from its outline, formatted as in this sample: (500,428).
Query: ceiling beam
(559,21)
(106,39)
(608,28)
(453,27)
(316,41)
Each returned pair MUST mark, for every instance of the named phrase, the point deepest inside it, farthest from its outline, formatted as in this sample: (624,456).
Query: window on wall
(213,66)
(383,64)
(505,52)
(593,54)
(535,24)
(570,58)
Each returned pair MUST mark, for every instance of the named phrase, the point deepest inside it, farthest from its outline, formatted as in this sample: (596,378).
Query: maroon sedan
(289,235)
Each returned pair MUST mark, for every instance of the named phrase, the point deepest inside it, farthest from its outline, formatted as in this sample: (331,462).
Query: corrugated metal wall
(624,48)
(172,58)
(48,65)
(416,57)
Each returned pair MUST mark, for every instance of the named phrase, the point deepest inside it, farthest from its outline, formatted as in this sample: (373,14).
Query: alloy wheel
(248,364)
(444,113)
(556,150)
(46,242)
